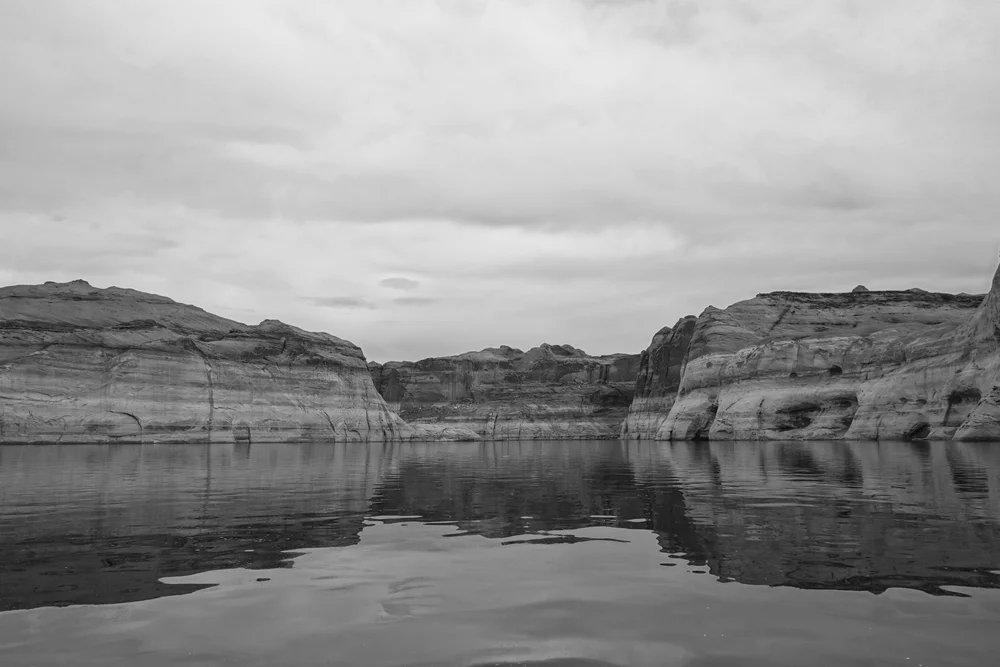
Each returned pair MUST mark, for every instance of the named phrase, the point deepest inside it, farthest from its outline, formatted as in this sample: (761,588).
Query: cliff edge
(864,365)
(82,364)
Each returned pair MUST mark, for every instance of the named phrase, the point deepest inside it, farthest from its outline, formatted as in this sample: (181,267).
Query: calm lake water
(554,553)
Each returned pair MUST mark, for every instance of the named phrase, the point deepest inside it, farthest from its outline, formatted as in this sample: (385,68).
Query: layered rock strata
(659,378)
(80,364)
(548,392)
(864,365)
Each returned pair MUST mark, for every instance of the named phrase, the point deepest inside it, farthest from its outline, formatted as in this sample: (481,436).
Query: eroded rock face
(864,365)
(550,391)
(658,379)
(81,364)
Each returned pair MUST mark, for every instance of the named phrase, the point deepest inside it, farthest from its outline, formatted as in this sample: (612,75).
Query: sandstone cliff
(550,391)
(864,365)
(80,364)
(658,379)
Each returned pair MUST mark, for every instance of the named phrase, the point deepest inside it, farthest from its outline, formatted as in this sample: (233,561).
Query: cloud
(415,301)
(97,243)
(579,170)
(624,110)
(339,302)
(404,284)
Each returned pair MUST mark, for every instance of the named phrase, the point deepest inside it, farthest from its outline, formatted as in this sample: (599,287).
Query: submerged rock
(864,365)
(81,364)
(550,391)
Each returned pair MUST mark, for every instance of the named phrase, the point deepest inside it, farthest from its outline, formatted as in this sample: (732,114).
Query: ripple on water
(104,524)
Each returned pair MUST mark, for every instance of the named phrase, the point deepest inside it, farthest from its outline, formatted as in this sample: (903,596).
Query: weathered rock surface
(80,364)
(658,379)
(864,365)
(550,391)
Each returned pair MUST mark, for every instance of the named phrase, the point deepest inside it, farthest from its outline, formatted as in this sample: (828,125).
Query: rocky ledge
(81,364)
(550,391)
(865,365)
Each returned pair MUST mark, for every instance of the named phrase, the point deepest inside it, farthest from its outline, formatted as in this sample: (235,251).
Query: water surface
(499,553)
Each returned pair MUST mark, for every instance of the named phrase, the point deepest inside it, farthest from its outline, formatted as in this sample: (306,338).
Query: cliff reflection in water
(848,516)
(95,523)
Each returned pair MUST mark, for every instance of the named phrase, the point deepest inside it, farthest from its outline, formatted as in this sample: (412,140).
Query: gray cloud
(404,284)
(45,242)
(659,155)
(670,104)
(339,302)
(415,301)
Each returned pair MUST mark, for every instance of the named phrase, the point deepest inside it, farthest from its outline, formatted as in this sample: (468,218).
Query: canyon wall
(658,379)
(80,364)
(863,365)
(550,391)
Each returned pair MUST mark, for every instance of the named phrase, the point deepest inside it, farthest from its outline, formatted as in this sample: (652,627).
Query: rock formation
(659,378)
(80,364)
(550,391)
(864,365)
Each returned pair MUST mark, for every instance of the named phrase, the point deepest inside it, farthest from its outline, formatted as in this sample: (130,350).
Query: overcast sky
(425,177)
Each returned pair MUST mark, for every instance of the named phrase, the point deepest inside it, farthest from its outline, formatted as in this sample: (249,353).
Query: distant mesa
(502,393)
